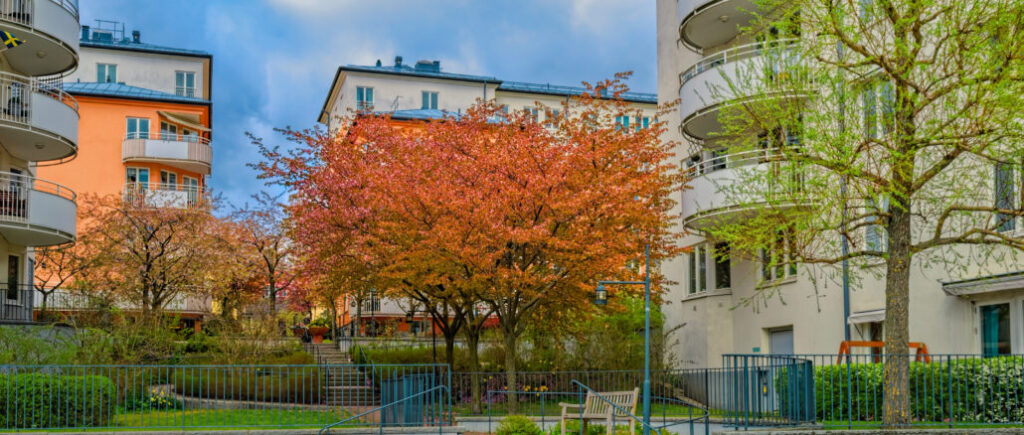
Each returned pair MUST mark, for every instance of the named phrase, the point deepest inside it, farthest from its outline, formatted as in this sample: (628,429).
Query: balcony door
(137,178)
(168,131)
(13,277)
(168,180)
(191,185)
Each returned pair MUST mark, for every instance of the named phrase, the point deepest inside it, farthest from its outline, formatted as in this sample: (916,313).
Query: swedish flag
(10,41)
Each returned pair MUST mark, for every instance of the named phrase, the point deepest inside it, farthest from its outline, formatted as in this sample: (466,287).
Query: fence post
(949,388)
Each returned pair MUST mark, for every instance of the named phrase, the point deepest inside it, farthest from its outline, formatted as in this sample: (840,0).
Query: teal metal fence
(847,391)
(226,396)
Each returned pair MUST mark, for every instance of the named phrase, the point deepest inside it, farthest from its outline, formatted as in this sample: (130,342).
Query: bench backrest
(623,399)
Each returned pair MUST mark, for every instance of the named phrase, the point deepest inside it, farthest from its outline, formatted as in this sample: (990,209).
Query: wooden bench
(596,409)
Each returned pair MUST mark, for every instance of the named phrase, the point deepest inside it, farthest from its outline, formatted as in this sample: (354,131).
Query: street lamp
(601,298)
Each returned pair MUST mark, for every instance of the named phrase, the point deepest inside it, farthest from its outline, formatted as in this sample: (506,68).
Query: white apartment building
(38,127)
(423,91)
(699,44)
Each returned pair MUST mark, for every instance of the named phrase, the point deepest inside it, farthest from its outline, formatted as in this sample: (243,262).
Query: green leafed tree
(894,126)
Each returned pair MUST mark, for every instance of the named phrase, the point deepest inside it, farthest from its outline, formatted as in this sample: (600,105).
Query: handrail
(618,408)
(68,5)
(14,90)
(732,160)
(728,56)
(381,408)
(23,11)
(176,137)
(22,183)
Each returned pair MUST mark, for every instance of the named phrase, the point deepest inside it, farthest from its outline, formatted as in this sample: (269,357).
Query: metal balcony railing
(22,11)
(162,194)
(169,136)
(14,193)
(16,302)
(728,56)
(16,95)
(184,91)
(70,300)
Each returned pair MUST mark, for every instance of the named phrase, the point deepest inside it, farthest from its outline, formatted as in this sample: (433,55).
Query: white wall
(144,70)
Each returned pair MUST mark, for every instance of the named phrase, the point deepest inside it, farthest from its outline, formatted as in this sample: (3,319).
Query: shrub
(572,427)
(970,390)
(256,383)
(38,400)
(518,425)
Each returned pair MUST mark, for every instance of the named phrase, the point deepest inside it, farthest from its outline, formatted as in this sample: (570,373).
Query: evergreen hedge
(35,400)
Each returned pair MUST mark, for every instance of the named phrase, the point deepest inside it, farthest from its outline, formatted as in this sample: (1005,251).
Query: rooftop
(110,34)
(537,88)
(121,90)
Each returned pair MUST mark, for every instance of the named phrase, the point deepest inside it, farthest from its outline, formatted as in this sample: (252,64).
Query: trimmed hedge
(282,384)
(970,390)
(37,400)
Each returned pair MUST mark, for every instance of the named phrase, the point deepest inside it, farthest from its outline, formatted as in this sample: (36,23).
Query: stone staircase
(343,384)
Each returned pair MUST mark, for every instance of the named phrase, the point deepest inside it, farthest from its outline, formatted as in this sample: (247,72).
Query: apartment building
(700,48)
(145,130)
(422,92)
(145,124)
(38,129)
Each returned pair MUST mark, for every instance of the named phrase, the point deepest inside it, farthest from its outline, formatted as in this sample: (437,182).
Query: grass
(549,407)
(220,418)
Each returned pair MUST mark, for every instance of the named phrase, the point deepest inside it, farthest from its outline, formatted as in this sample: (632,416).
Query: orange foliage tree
(489,207)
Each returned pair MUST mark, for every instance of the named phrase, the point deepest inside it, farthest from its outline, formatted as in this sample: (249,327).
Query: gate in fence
(769,390)
(403,402)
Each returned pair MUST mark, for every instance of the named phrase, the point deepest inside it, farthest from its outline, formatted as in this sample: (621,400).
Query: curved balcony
(36,212)
(710,23)
(190,153)
(145,194)
(709,199)
(38,120)
(49,29)
(728,77)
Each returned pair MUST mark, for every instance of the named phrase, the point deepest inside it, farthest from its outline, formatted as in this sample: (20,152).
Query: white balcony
(710,23)
(49,29)
(711,199)
(38,120)
(162,195)
(728,77)
(36,212)
(191,153)
(70,300)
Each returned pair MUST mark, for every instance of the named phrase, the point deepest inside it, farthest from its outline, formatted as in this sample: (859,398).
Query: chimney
(378,62)
(85,33)
(136,36)
(398,61)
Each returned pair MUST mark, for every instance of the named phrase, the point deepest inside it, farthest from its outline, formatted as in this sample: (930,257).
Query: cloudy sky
(273,60)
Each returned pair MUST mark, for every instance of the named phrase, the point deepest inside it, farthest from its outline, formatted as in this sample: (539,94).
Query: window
(719,160)
(137,178)
(106,73)
(641,122)
(532,113)
(185,83)
(995,330)
(1004,192)
(138,128)
(777,261)
(705,261)
(875,236)
(13,275)
(168,180)
(191,186)
(869,112)
(695,165)
(168,131)
(364,98)
(621,122)
(874,98)
(429,100)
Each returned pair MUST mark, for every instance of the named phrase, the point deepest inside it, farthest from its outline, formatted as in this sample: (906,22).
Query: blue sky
(273,60)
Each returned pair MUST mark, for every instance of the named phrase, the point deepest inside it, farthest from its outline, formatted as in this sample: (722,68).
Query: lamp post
(601,298)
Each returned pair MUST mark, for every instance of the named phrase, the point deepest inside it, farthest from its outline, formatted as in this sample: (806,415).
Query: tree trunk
(449,348)
(273,302)
(896,409)
(511,351)
(473,344)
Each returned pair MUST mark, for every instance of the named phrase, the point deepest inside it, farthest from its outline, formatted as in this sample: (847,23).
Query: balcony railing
(184,91)
(69,300)
(22,11)
(728,161)
(168,136)
(15,190)
(16,91)
(16,302)
(162,194)
(731,55)
(184,149)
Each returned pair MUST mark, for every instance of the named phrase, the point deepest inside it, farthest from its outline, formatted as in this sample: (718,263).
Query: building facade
(145,129)
(423,92)
(700,46)
(38,128)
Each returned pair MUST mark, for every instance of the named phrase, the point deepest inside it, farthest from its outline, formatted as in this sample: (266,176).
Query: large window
(364,98)
(1005,192)
(709,268)
(137,128)
(995,330)
(875,236)
(429,100)
(137,177)
(106,73)
(185,83)
(777,261)
(168,131)
(875,98)
(168,180)
(191,186)
(622,122)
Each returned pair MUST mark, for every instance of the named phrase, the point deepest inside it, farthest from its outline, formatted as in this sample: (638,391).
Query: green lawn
(224,418)
(551,408)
